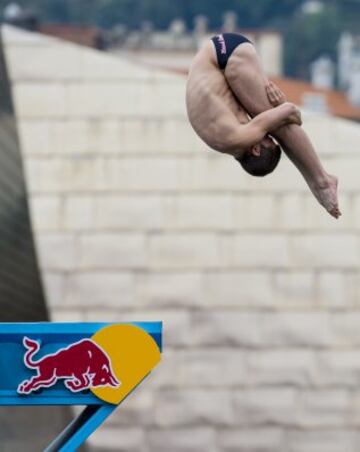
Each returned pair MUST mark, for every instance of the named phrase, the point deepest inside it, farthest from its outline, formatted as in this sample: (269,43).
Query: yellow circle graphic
(133,354)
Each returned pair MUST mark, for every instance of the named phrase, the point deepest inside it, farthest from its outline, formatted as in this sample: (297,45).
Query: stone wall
(257,286)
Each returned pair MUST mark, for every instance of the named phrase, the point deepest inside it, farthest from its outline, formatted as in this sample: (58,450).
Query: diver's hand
(290,113)
(274,94)
(295,115)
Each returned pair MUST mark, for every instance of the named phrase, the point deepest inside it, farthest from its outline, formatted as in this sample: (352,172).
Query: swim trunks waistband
(225,44)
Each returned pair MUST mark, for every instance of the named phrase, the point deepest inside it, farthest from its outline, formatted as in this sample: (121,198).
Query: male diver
(226,85)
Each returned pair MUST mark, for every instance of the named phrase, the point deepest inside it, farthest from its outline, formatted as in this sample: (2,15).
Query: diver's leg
(247,80)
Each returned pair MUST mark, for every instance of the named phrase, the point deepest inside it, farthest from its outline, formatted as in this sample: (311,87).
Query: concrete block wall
(136,219)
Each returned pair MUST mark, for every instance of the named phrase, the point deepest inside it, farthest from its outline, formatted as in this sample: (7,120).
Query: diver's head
(262,158)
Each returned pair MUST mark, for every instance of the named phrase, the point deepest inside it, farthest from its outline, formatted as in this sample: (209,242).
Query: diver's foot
(326,194)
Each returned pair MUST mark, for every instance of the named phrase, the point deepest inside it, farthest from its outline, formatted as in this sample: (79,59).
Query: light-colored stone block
(158,135)
(126,98)
(354,415)
(195,439)
(286,178)
(290,211)
(257,251)
(47,175)
(354,287)
(320,129)
(189,407)
(298,329)
(83,172)
(229,328)
(267,439)
(321,440)
(332,289)
(329,135)
(54,287)
(168,289)
(67,315)
(34,135)
(255,212)
(345,327)
(345,132)
(167,375)
(185,251)
(206,367)
(265,406)
(100,289)
(69,136)
(325,251)
(199,212)
(355,210)
(213,172)
(119,439)
(177,136)
(345,170)
(323,408)
(293,289)
(139,407)
(315,217)
(45,136)
(129,212)
(281,367)
(112,251)
(46,212)
(104,135)
(52,61)
(56,251)
(39,100)
(78,213)
(144,134)
(140,174)
(104,67)
(339,367)
(235,289)
(65,175)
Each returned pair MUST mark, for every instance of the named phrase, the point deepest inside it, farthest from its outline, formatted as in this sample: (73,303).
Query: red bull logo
(222,43)
(96,365)
(81,365)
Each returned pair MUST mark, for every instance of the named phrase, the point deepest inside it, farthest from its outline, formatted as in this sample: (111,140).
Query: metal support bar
(77,432)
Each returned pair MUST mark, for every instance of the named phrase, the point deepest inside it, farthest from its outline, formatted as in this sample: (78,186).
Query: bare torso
(212,107)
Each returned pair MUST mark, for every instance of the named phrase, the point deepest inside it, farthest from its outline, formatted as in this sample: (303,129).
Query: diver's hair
(263,164)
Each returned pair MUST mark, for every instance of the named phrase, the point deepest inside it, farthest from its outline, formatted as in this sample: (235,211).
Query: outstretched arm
(270,121)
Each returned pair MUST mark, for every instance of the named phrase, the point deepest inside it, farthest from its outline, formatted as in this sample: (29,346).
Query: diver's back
(211,105)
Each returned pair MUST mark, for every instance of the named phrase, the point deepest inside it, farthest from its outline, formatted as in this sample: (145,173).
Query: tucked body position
(236,110)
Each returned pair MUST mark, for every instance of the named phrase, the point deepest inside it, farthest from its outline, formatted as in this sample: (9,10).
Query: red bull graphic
(95,365)
(82,365)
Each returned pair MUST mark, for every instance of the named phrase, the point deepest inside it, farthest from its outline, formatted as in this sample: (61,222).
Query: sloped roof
(79,34)
(337,102)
